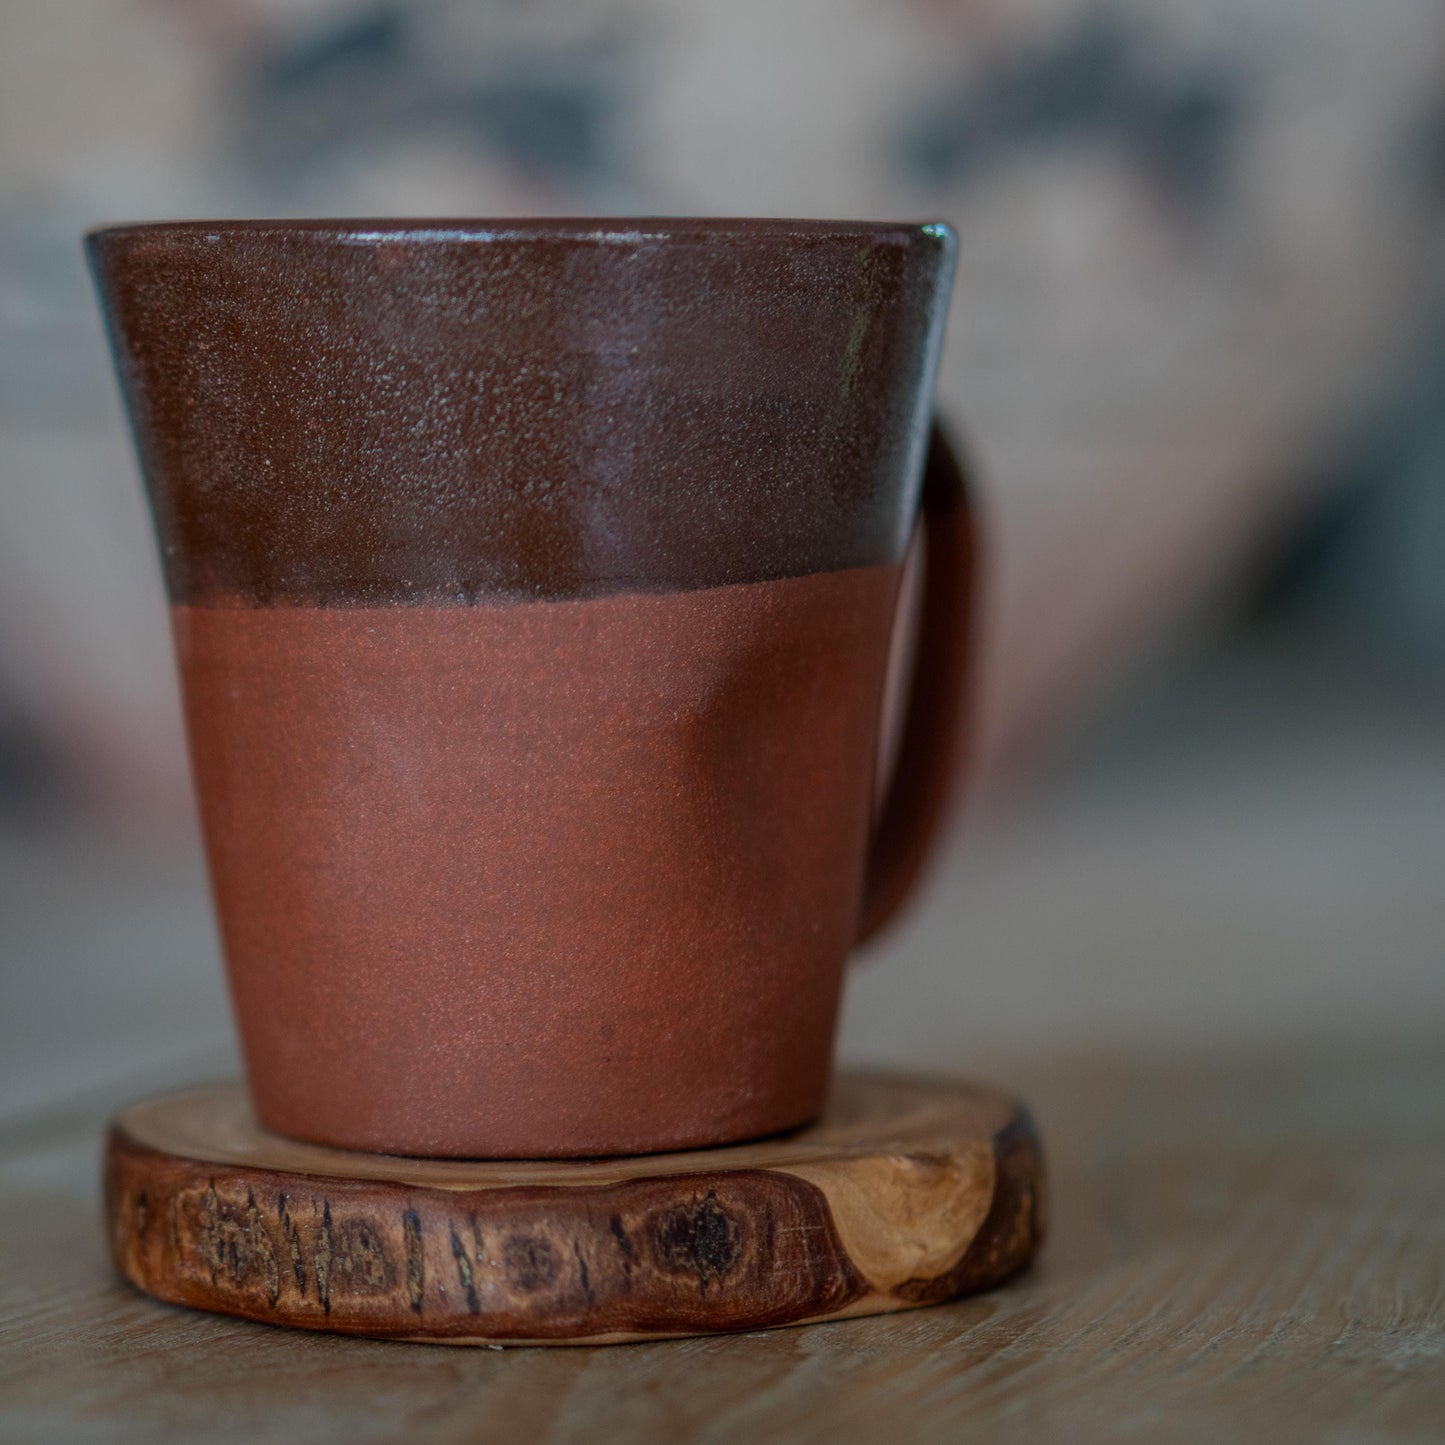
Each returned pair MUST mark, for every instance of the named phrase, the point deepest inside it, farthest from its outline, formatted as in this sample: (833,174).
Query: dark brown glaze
(374,412)
(554,878)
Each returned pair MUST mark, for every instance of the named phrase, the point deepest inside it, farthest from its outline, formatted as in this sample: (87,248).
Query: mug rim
(592,231)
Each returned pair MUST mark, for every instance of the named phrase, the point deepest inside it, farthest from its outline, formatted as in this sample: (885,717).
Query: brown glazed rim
(765,420)
(596,230)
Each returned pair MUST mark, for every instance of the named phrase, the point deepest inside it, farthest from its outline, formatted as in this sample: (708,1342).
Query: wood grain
(908,1192)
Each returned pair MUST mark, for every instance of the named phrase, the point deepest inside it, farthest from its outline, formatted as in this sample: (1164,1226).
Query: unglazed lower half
(554,878)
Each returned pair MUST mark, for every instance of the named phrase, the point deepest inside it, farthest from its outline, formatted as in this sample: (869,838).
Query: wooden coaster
(908,1192)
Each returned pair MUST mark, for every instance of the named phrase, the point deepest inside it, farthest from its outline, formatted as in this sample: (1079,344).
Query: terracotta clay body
(532,589)
(618,839)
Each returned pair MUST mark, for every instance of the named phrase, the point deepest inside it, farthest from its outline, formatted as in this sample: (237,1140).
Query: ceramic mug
(533,587)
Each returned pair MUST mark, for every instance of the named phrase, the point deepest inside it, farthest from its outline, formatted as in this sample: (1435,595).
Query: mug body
(532,587)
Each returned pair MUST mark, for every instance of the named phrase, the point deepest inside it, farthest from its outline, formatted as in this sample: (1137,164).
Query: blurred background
(1198,348)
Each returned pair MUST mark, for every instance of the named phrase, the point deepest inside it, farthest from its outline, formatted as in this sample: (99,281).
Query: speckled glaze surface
(533,586)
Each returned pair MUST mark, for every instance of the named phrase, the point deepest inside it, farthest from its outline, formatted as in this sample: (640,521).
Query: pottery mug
(533,587)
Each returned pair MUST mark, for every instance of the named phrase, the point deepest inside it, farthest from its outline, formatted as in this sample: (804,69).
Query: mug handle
(921,790)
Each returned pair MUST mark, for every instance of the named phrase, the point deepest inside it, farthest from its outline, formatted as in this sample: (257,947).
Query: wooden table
(1248,1249)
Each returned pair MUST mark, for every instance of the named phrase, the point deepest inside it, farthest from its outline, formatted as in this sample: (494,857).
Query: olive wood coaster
(907,1192)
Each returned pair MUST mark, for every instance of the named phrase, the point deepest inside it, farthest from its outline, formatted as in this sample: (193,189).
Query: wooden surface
(1241,1248)
(908,1192)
